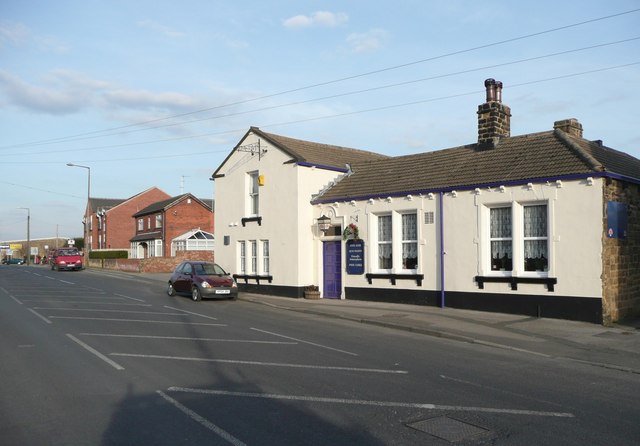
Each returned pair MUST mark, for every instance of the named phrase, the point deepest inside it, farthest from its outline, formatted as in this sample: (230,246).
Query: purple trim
(441,210)
(578,176)
(320,166)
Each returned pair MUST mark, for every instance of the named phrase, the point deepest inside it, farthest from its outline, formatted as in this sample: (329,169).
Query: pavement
(613,347)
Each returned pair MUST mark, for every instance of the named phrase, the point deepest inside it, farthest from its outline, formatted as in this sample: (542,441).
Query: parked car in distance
(66,258)
(7,261)
(201,280)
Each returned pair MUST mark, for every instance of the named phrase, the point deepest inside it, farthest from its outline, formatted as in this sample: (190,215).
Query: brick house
(545,224)
(161,228)
(107,222)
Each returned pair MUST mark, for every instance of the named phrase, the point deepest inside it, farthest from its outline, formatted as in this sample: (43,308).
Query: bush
(115,254)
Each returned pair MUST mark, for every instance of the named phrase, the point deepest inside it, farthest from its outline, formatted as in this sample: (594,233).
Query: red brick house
(161,228)
(107,222)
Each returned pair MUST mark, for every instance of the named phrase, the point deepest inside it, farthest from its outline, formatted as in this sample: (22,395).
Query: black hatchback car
(201,280)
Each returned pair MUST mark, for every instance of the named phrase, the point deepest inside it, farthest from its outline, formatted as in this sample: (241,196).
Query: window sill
(247,277)
(393,277)
(514,281)
(246,220)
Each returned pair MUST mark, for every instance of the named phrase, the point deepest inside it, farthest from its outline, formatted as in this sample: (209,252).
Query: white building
(544,224)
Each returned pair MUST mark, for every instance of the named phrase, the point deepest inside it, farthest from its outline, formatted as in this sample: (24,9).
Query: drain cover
(447,428)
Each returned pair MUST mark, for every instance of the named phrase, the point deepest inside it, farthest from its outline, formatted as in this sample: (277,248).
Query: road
(91,358)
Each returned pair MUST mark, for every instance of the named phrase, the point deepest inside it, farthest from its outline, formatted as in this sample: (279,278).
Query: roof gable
(169,202)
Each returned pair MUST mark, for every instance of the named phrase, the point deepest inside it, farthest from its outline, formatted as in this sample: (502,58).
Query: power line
(334,81)
(349,93)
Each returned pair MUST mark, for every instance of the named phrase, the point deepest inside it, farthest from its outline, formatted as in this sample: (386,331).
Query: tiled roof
(519,158)
(317,153)
(160,205)
(105,203)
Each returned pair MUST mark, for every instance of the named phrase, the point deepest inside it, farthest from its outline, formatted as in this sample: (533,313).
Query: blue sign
(355,256)
(616,219)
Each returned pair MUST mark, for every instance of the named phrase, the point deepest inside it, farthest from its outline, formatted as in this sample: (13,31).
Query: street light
(28,235)
(86,222)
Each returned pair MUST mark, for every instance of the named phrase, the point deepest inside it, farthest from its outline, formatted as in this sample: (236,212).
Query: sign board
(34,250)
(15,246)
(4,247)
(616,220)
(355,256)
(71,242)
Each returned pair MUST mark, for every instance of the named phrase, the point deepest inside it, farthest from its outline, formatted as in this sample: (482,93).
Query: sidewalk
(616,347)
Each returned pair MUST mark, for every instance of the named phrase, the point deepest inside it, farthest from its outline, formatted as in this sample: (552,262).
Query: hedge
(109,254)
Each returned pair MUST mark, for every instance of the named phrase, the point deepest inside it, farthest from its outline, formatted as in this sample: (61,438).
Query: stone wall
(621,256)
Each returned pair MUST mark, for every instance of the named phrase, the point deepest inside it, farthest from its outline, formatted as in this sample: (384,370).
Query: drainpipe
(441,250)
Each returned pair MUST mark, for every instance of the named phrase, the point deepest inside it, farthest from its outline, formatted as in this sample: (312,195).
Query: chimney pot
(490,85)
(498,91)
(494,118)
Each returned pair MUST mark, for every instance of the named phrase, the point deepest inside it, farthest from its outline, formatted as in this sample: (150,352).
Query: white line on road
(191,312)
(100,310)
(183,338)
(206,423)
(40,316)
(83,302)
(128,297)
(269,364)
(95,352)
(373,403)
(15,298)
(67,282)
(305,342)
(134,320)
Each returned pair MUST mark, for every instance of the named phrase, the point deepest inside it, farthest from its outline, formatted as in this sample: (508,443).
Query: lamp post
(28,235)
(86,223)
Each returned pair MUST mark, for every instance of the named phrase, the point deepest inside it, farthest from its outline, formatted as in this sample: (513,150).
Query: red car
(202,279)
(66,258)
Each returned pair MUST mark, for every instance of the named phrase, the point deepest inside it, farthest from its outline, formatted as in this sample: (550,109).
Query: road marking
(270,364)
(190,312)
(206,423)
(15,298)
(305,342)
(100,310)
(83,302)
(134,320)
(67,282)
(95,352)
(373,403)
(40,316)
(183,338)
(127,297)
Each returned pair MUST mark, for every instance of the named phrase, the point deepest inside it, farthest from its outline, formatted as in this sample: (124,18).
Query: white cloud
(318,18)
(160,28)
(15,33)
(367,42)
(18,34)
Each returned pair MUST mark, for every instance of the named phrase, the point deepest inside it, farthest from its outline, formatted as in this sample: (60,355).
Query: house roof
(514,159)
(312,153)
(105,203)
(165,204)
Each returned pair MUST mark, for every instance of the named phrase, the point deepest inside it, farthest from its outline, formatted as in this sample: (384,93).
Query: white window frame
(253,193)
(404,242)
(158,221)
(140,224)
(517,240)
(242,257)
(254,256)
(265,257)
(396,242)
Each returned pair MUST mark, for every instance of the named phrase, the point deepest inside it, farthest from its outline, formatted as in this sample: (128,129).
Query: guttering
(445,189)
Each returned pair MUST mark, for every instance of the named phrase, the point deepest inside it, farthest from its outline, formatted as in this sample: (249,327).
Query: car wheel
(170,290)
(195,294)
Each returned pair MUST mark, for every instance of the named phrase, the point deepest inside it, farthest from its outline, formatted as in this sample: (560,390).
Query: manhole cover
(447,428)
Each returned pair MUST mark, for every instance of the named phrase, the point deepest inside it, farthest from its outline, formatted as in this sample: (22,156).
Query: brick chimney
(494,118)
(571,126)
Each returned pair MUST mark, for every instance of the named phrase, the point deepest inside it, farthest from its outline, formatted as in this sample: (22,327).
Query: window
(254,194)
(409,241)
(536,255)
(148,222)
(265,257)
(140,224)
(385,242)
(500,239)
(243,257)
(159,221)
(254,256)
(519,239)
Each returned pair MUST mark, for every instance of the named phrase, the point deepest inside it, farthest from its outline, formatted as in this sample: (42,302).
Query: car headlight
(234,284)
(206,284)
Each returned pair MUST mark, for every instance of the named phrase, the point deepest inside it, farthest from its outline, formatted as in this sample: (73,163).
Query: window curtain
(385,259)
(536,257)
(409,241)
(501,250)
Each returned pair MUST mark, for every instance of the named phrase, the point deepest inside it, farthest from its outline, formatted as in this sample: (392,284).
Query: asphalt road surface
(93,358)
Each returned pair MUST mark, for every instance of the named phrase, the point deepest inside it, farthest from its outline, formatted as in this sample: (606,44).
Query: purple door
(332,269)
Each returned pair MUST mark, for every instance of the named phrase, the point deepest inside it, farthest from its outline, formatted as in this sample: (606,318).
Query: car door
(182,282)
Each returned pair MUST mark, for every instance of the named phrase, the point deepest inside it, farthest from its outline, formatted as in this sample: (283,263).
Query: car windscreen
(209,269)
(68,252)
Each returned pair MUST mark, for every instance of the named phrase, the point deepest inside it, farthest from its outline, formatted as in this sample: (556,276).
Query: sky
(157,93)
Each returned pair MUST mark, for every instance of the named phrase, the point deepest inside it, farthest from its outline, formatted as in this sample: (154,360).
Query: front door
(332,269)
